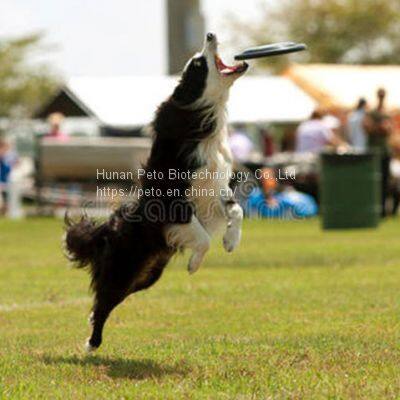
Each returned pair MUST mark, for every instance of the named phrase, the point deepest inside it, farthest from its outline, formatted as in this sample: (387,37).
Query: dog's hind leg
(192,236)
(105,302)
(233,233)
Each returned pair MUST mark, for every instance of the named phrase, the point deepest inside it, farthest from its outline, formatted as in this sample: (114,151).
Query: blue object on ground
(288,204)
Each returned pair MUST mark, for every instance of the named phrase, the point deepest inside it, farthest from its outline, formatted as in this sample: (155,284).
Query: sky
(103,37)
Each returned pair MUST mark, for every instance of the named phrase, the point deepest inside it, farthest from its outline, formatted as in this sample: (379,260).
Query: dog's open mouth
(225,70)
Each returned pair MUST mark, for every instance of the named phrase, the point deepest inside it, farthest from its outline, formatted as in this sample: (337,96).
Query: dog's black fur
(129,252)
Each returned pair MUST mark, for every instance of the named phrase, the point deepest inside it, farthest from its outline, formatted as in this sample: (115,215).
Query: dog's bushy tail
(84,240)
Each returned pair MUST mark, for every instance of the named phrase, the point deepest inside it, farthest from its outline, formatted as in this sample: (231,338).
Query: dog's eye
(197,63)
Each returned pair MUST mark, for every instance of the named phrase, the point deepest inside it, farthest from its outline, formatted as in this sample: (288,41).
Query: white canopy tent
(131,101)
(268,99)
(340,86)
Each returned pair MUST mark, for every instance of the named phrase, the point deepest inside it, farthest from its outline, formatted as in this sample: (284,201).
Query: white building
(124,105)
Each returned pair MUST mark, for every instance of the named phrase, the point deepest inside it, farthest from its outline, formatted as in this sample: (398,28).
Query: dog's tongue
(228,70)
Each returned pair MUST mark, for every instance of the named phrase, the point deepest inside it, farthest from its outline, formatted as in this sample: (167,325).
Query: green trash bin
(350,190)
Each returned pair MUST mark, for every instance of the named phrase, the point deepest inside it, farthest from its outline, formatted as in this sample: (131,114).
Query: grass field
(294,313)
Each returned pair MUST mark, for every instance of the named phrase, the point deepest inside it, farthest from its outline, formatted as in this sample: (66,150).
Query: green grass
(294,313)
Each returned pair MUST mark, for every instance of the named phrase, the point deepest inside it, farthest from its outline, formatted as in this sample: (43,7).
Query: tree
(24,84)
(336,31)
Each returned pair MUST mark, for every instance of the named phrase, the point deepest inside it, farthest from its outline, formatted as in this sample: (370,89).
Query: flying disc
(269,50)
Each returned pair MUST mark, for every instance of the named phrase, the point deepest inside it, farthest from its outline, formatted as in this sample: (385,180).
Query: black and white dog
(129,252)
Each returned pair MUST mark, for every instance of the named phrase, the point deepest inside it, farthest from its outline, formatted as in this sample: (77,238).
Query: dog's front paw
(231,239)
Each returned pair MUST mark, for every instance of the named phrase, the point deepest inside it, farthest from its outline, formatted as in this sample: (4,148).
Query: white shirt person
(313,135)
(355,127)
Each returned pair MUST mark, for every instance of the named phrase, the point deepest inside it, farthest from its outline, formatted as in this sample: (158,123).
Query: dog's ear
(193,81)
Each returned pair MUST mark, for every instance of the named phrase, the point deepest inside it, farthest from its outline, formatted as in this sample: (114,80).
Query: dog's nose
(210,36)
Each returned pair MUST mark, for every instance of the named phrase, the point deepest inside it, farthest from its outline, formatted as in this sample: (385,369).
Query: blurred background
(79,82)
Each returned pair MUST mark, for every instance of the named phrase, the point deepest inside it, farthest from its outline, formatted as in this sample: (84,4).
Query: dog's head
(206,77)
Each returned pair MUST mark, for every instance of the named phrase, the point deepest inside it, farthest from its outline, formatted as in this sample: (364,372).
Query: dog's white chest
(211,183)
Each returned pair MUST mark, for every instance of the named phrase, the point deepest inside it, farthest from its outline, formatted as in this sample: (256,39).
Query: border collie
(129,252)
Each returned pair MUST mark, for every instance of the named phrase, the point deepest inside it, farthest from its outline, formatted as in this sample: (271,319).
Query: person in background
(277,201)
(378,127)
(267,143)
(333,123)
(355,126)
(55,120)
(394,143)
(240,144)
(8,159)
(313,135)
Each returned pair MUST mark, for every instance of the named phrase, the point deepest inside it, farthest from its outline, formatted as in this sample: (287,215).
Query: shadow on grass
(121,367)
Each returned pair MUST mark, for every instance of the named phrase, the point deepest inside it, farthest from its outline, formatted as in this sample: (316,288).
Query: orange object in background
(396,123)
(268,180)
